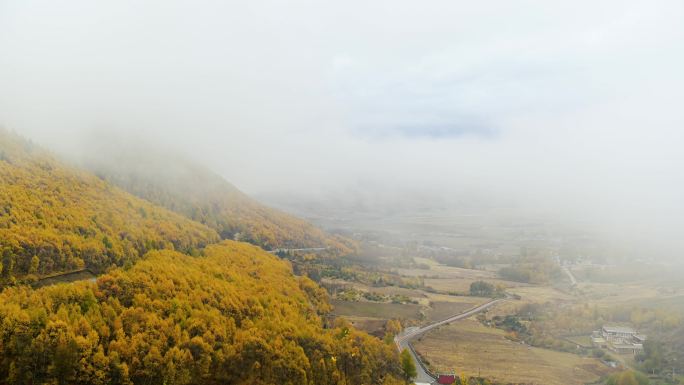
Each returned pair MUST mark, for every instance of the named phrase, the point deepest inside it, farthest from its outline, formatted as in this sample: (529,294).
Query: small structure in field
(446,379)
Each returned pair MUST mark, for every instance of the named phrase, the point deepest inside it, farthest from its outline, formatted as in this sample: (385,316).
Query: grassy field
(442,307)
(454,279)
(376,310)
(437,307)
(530,294)
(541,294)
(581,340)
(660,286)
(441,271)
(384,290)
(610,294)
(462,285)
(427,307)
(675,303)
(471,348)
(374,326)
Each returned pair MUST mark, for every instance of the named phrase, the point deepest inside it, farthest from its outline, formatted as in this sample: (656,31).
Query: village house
(446,379)
(619,339)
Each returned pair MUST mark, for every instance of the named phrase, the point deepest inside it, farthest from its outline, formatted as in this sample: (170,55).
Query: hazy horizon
(570,111)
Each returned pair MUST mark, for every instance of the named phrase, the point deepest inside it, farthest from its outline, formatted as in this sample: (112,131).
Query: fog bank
(569,110)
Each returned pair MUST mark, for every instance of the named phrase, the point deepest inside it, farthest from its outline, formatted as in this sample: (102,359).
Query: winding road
(306,249)
(402,340)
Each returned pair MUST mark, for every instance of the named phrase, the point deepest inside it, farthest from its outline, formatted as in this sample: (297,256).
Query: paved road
(299,250)
(402,339)
(567,271)
(421,374)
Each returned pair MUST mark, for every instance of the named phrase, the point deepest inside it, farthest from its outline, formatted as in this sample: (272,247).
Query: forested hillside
(236,315)
(192,190)
(56,218)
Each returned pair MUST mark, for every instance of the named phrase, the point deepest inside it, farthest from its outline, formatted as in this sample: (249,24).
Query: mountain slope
(235,315)
(203,196)
(57,218)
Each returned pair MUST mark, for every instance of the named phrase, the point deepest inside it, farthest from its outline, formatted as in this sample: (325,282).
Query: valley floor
(473,349)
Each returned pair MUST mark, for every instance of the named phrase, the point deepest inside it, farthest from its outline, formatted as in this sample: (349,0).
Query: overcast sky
(575,106)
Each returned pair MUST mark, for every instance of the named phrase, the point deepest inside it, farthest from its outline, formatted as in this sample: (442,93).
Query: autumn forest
(175,298)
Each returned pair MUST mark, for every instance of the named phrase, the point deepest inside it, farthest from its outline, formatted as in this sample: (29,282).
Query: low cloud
(573,110)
